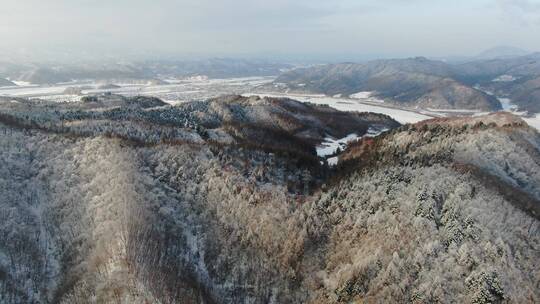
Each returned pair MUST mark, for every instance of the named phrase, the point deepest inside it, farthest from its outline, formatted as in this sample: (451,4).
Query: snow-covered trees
(87,217)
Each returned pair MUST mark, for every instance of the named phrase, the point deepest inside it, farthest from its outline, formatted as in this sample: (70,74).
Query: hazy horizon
(287,30)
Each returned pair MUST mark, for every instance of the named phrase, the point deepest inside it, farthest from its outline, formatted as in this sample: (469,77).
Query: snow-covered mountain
(500,52)
(412,82)
(122,71)
(129,200)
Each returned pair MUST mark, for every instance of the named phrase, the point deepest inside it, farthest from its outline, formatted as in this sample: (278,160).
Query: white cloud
(425,27)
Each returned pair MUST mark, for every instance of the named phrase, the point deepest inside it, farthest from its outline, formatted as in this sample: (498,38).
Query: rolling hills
(414,82)
(514,78)
(137,71)
(428,84)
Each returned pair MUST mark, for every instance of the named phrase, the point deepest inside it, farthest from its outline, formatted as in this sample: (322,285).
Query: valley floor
(200,88)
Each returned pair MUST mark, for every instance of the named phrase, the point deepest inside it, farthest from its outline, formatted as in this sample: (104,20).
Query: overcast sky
(260,28)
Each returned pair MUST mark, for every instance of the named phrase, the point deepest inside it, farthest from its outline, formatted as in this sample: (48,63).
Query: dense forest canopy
(128,200)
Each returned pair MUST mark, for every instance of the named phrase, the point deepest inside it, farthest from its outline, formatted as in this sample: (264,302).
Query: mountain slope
(523,92)
(483,70)
(514,78)
(44,76)
(119,204)
(416,82)
(501,52)
(527,95)
(6,83)
(139,70)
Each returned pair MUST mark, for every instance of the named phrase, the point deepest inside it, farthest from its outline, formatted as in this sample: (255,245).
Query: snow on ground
(23,83)
(361,95)
(533,121)
(33,91)
(174,91)
(333,161)
(507,104)
(465,111)
(366,96)
(343,104)
(331,145)
(505,78)
(200,88)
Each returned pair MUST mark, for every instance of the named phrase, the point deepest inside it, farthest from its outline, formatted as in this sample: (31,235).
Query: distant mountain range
(424,83)
(414,82)
(145,70)
(473,84)
(501,52)
(517,78)
(482,70)
(217,68)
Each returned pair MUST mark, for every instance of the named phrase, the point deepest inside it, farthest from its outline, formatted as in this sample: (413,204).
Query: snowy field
(331,146)
(172,91)
(366,96)
(533,121)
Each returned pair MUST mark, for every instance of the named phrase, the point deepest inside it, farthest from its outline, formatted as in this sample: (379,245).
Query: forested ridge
(120,200)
